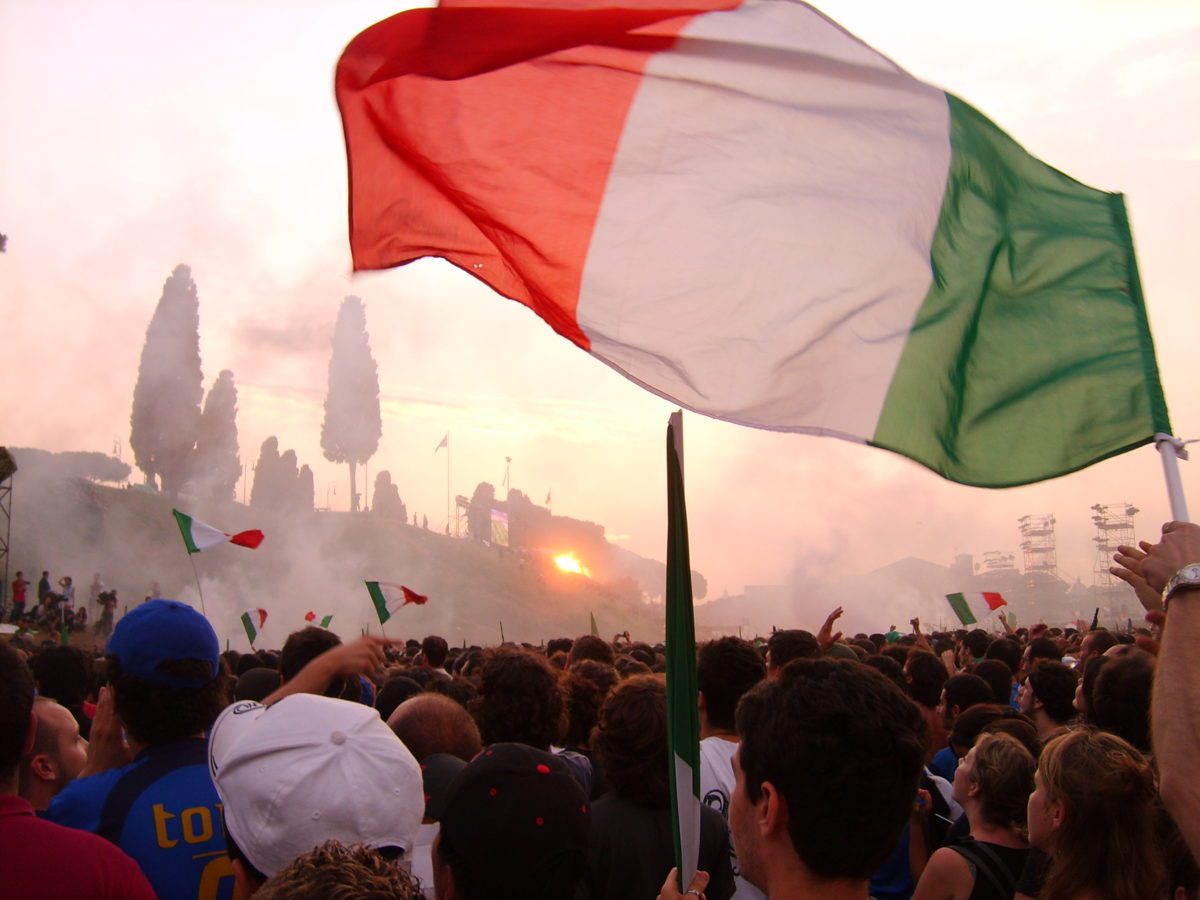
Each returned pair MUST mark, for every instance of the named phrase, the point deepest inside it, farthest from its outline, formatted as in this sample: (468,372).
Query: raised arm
(361,657)
(1175,707)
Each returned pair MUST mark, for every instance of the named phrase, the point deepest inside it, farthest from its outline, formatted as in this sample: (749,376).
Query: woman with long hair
(1095,810)
(992,784)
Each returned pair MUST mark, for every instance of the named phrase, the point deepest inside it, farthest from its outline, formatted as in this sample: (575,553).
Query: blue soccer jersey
(163,810)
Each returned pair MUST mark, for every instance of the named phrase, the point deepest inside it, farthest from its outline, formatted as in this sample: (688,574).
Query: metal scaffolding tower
(1038,547)
(996,563)
(1114,527)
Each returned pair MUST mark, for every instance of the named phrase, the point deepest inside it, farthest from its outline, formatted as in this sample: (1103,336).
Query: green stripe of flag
(683,716)
(380,600)
(248,624)
(184,521)
(1034,325)
(958,603)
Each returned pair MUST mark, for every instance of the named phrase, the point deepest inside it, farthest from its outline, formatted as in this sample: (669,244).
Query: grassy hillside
(309,561)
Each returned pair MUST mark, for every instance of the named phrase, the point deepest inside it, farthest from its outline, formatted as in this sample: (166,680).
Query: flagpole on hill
(1171,449)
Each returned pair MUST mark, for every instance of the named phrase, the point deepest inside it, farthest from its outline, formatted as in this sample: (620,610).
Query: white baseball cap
(309,768)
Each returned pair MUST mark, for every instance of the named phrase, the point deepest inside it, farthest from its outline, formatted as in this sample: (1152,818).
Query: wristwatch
(1187,578)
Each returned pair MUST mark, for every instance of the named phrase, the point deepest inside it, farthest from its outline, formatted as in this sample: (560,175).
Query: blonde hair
(1003,769)
(1107,840)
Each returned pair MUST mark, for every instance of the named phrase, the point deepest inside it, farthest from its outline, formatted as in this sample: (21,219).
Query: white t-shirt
(422,857)
(716,787)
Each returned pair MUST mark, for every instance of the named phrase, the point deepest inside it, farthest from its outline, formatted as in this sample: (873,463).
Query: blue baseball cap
(162,631)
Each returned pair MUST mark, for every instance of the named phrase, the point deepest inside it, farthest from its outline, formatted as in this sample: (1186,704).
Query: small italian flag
(311,616)
(388,598)
(197,536)
(970,608)
(253,621)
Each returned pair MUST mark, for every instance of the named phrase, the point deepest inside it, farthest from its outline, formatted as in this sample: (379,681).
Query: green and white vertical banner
(683,716)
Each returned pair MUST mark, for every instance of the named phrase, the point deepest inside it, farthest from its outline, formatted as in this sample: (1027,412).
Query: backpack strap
(984,860)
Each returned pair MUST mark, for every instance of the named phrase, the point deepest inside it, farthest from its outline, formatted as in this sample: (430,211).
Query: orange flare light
(567,562)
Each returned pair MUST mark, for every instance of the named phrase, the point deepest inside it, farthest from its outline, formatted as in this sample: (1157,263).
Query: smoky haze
(242,175)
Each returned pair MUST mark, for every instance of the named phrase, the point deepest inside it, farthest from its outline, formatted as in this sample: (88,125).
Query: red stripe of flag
(411,596)
(994,601)
(249,539)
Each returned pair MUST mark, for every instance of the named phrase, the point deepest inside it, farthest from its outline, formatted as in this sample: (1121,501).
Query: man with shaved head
(433,723)
(58,755)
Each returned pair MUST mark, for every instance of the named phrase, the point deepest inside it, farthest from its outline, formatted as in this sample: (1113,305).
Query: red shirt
(19,590)
(42,860)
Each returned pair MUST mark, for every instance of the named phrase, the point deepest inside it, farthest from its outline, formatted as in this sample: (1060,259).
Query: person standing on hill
(18,593)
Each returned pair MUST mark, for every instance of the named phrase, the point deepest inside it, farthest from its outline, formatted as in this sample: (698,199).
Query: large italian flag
(747,210)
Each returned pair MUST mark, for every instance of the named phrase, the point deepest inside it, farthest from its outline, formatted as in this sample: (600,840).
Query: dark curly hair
(16,706)
(588,646)
(999,676)
(334,871)
(155,714)
(302,647)
(844,748)
(793,643)
(725,669)
(584,698)
(604,676)
(521,700)
(926,678)
(1120,701)
(1007,651)
(631,741)
(1054,685)
(63,674)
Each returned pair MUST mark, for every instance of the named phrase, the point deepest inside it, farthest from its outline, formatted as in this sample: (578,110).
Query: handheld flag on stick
(1095,620)
(197,536)
(683,716)
(971,608)
(253,621)
(388,598)
(919,279)
(595,630)
(311,616)
(444,442)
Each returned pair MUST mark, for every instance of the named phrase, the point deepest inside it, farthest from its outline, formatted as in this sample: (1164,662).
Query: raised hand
(107,747)
(825,637)
(1128,568)
(1179,547)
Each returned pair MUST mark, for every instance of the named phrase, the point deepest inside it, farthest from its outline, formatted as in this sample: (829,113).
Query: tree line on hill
(186,441)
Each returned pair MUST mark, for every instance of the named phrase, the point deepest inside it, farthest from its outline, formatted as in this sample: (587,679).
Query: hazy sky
(138,135)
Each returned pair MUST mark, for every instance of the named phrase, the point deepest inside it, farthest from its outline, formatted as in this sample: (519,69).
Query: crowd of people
(58,610)
(930,766)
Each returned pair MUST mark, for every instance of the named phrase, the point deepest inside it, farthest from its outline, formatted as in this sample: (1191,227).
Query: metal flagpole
(1171,449)
(200,590)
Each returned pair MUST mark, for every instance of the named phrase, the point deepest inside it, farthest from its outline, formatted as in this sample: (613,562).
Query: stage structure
(1114,527)
(1039,548)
